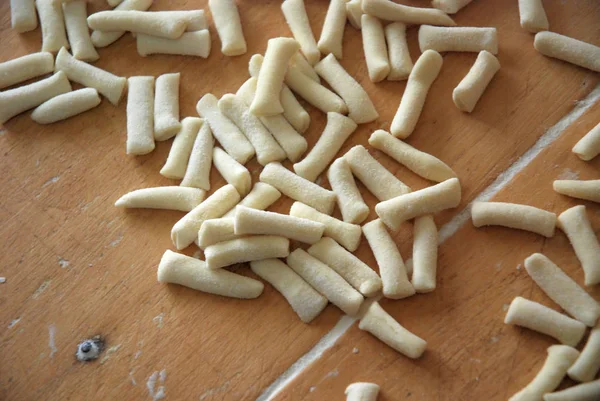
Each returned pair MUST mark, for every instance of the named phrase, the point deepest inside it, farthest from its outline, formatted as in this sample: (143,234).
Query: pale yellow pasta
(246,249)
(375,48)
(166,106)
(52,22)
(586,367)
(352,206)
(105,38)
(588,190)
(260,197)
(294,12)
(313,92)
(533,16)
(140,115)
(169,198)
(362,392)
(354,13)
(213,231)
(226,18)
(512,215)
(588,147)
(332,34)
(75,13)
(425,254)
(458,39)
(400,62)
(23,16)
(26,67)
(450,6)
(162,24)
(66,105)
(302,63)
(568,49)
(195,43)
(177,161)
(391,11)
(469,90)
(232,171)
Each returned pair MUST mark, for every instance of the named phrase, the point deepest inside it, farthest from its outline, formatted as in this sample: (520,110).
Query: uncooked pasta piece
(232,171)
(109,85)
(54,35)
(23,15)
(140,115)
(261,197)
(391,266)
(214,231)
(568,49)
(352,269)
(193,273)
(195,19)
(162,24)
(296,18)
(224,130)
(104,38)
(75,13)
(300,61)
(421,77)
(170,198)
(442,196)
(303,299)
(533,16)
(421,163)
(525,313)
(177,162)
(582,392)
(562,289)
(360,107)
(461,39)
(253,221)
(575,223)
(588,147)
(270,78)
(390,11)
(376,53)
(336,132)
(425,254)
(267,148)
(588,190)
(332,33)
(560,358)
(586,367)
(185,231)
(352,206)
(326,281)
(26,67)
(166,106)
(399,57)
(197,172)
(15,101)
(246,249)
(348,235)
(66,105)
(195,43)
(379,323)
(229,27)
(362,392)
(512,215)
(354,13)
(469,90)
(298,188)
(313,92)
(383,184)
(450,6)
(284,133)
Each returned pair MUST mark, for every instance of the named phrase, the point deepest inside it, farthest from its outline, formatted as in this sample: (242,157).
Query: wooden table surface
(76,266)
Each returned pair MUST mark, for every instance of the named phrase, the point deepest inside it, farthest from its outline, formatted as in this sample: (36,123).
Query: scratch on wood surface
(41,289)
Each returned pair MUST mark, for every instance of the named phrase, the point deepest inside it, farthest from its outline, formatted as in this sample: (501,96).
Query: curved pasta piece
(421,163)
(588,190)
(109,85)
(15,101)
(169,198)
(185,231)
(246,249)
(23,17)
(140,115)
(24,68)
(298,188)
(425,71)
(378,180)
(336,132)
(586,367)
(560,358)
(261,197)
(193,273)
(326,281)
(304,300)
(52,22)
(226,18)
(166,106)
(66,105)
(360,106)
(400,62)
(568,49)
(232,171)
(512,215)
(425,254)
(75,13)
(348,235)
(352,206)
(390,11)
(294,12)
(582,392)
(442,196)
(379,323)
(562,289)
(253,221)
(352,269)
(391,266)
(105,38)
(588,147)
(375,48)
(458,39)
(196,43)
(534,316)
(177,162)
(161,24)
(469,90)
(576,225)
(533,16)
(332,34)
(362,392)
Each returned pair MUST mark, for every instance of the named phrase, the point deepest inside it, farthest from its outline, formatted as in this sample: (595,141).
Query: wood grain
(76,266)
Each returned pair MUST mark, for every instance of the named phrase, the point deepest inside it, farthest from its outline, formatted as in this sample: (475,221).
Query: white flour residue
(51,181)
(132,378)
(333,373)
(158,320)
(223,388)
(41,289)
(355,350)
(109,351)
(51,336)
(197,254)
(13,322)
(519,266)
(312,388)
(64,263)
(568,174)
(116,241)
(2,280)
(505,307)
(160,392)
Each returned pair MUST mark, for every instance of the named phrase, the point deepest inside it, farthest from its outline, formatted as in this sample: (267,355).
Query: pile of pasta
(264,119)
